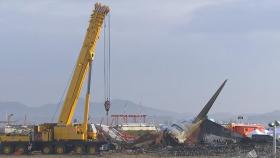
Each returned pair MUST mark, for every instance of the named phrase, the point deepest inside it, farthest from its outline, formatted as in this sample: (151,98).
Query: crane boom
(86,56)
(64,136)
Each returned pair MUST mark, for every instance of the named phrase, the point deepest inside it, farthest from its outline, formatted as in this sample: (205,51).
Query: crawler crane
(64,136)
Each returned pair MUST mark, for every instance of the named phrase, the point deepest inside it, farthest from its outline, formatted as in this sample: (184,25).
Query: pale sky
(171,55)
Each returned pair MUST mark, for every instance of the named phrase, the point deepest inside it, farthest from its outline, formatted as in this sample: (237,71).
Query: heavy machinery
(64,136)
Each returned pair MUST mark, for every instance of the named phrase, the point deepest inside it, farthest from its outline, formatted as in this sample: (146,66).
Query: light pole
(274,125)
(9,118)
(239,118)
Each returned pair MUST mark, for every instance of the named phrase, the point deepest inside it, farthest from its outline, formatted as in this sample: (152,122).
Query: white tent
(258,132)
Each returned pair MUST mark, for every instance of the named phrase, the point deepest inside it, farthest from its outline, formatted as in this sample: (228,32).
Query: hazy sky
(171,54)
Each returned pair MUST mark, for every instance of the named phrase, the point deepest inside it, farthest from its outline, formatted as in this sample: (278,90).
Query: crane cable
(109,53)
(107,68)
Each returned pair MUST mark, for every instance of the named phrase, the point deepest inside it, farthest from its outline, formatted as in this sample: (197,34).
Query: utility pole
(274,141)
(9,118)
(274,125)
(25,120)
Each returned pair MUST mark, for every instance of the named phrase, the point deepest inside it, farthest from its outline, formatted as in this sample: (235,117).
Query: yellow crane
(65,129)
(64,136)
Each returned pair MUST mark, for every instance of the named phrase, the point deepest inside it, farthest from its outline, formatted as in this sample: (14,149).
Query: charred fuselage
(191,131)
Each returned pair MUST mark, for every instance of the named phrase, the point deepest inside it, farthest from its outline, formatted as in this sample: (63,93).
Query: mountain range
(50,112)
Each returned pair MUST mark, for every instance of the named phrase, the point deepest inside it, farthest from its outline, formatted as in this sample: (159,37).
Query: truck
(65,136)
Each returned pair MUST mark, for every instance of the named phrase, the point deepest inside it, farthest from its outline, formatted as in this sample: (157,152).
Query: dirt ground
(116,155)
(127,154)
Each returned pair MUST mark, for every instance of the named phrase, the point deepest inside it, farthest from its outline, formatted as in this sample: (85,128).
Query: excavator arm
(85,58)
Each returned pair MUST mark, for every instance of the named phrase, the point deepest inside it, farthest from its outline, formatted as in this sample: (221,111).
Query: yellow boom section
(86,56)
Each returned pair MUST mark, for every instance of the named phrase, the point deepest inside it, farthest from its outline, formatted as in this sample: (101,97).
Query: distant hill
(263,118)
(50,112)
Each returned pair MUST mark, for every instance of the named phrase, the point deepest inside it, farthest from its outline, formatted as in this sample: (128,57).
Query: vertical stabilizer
(203,113)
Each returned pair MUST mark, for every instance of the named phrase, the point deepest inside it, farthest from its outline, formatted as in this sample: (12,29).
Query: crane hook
(107,106)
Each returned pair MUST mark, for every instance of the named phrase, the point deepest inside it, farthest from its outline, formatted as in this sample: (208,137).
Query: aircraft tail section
(203,113)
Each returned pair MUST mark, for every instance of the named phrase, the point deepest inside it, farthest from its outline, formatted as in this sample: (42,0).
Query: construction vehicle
(65,136)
